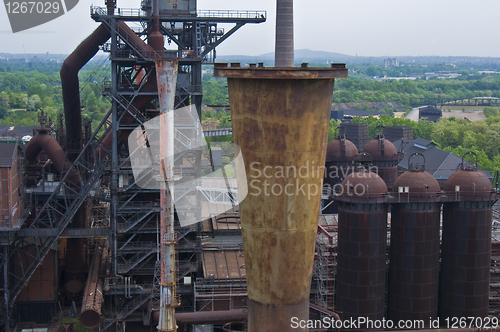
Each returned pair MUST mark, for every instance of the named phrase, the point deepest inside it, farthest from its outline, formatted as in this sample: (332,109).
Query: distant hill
(303,55)
(322,57)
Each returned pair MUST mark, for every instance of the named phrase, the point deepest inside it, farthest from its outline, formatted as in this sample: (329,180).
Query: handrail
(134,12)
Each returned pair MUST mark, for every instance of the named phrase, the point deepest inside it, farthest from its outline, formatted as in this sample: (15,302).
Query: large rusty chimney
(280,120)
(284,34)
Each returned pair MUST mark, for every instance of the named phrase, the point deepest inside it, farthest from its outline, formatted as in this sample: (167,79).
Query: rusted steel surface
(340,155)
(42,286)
(466,246)
(361,251)
(166,77)
(12,180)
(416,184)
(414,253)
(340,149)
(211,317)
(70,86)
(388,173)
(75,266)
(385,158)
(221,70)
(471,183)
(75,256)
(49,144)
(276,124)
(380,147)
(208,317)
(284,34)
(465,257)
(362,185)
(93,297)
(132,38)
(267,317)
(229,221)
(223,265)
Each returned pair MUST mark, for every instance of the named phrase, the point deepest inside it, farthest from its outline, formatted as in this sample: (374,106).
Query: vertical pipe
(114,150)
(155,37)
(284,34)
(166,76)
(278,127)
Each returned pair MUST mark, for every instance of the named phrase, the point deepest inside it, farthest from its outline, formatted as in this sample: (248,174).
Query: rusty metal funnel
(280,119)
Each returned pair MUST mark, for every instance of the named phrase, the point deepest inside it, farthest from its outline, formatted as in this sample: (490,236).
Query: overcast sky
(363,27)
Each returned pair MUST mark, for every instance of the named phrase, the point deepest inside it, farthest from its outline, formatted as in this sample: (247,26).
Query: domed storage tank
(340,155)
(361,250)
(414,254)
(466,244)
(385,157)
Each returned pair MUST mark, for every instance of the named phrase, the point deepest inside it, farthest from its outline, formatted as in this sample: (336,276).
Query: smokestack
(280,120)
(284,34)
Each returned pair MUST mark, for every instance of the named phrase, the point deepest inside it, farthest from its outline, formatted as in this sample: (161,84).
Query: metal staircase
(59,210)
(133,213)
(141,252)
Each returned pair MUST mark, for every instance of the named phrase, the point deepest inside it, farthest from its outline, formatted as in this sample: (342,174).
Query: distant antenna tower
(25,56)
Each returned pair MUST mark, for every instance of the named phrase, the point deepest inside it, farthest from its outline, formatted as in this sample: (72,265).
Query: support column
(166,75)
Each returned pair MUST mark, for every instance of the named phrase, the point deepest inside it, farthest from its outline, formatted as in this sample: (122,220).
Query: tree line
(28,88)
(453,135)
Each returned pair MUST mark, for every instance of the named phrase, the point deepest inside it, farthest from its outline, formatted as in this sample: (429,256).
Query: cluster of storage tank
(420,285)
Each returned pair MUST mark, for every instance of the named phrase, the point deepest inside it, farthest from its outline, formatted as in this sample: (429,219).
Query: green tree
(33,103)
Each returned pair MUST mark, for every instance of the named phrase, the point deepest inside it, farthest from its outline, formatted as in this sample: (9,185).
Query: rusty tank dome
(417,183)
(363,184)
(380,147)
(385,157)
(468,182)
(341,149)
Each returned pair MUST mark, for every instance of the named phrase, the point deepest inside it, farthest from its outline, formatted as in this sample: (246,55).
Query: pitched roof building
(441,164)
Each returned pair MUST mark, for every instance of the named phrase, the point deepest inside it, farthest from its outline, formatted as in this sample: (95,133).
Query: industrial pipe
(211,317)
(71,86)
(75,253)
(208,317)
(75,258)
(93,297)
(166,72)
(47,143)
(280,121)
